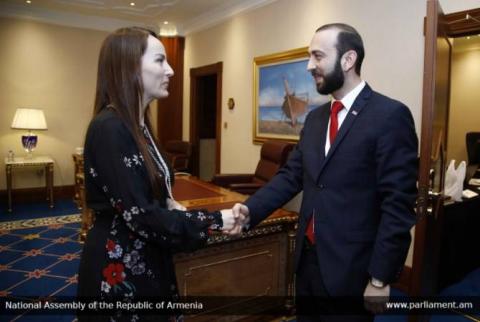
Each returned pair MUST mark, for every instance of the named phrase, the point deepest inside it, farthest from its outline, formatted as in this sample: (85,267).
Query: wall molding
(201,22)
(68,19)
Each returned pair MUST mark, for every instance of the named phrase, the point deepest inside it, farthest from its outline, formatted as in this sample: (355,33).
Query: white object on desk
(467,193)
(454,180)
(474,182)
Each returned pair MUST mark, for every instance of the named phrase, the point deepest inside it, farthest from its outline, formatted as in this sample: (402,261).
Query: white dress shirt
(347,102)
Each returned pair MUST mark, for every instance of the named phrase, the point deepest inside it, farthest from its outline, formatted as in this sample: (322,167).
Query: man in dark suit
(356,162)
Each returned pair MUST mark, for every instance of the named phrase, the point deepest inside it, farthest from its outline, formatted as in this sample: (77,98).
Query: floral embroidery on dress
(105,287)
(114,250)
(93,173)
(138,244)
(134,160)
(130,259)
(114,274)
(127,215)
(133,248)
(138,269)
(143,233)
(128,162)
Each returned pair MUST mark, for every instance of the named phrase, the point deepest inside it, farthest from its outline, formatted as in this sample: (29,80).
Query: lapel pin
(354,112)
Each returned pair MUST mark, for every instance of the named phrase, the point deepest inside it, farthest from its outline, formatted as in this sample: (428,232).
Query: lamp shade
(29,119)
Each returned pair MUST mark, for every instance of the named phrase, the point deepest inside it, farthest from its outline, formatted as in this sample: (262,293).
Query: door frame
(455,25)
(458,26)
(195,74)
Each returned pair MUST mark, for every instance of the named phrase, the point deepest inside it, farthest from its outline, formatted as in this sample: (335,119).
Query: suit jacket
(362,192)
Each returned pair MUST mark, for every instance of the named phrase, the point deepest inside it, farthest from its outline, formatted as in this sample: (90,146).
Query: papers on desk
(474,182)
(467,193)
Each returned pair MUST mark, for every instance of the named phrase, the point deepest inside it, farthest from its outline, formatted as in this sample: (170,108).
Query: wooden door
(435,106)
(170,109)
(196,96)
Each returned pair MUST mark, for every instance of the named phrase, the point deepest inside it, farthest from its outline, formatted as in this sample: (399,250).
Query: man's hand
(174,205)
(375,298)
(241,215)
(228,219)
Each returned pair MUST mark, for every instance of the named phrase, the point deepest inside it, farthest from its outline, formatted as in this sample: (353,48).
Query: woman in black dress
(138,225)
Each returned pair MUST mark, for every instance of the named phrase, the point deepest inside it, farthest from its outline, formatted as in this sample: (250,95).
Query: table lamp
(29,119)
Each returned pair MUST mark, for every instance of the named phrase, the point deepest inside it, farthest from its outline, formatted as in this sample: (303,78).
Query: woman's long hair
(119,85)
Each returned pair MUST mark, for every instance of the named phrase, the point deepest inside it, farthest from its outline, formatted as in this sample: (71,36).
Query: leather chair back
(273,156)
(179,153)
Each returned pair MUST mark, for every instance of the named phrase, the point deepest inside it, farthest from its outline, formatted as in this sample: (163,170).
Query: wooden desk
(260,262)
(458,254)
(34,162)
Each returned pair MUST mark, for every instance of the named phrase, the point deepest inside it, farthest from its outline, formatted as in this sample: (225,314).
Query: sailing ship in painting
(293,106)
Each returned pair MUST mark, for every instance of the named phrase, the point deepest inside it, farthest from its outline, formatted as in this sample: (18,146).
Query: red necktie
(337,106)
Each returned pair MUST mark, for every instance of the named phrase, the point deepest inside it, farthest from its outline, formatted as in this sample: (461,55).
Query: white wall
(393,36)
(53,68)
(393,63)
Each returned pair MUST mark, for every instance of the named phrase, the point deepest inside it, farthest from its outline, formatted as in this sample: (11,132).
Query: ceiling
(183,16)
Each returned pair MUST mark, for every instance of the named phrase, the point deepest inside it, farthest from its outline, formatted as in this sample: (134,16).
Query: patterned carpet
(39,258)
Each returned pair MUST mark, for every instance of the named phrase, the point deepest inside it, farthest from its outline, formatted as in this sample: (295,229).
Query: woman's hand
(174,205)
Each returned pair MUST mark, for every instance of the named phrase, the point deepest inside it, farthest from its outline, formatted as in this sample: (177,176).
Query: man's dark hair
(347,39)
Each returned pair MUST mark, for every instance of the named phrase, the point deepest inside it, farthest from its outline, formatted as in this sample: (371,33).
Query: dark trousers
(309,284)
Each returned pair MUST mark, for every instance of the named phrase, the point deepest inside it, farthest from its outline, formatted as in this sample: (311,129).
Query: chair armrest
(245,188)
(224,180)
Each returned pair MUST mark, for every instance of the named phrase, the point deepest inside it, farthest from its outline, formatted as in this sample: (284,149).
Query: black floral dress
(128,251)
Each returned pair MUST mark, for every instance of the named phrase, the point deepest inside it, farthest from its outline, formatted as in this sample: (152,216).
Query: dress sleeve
(118,169)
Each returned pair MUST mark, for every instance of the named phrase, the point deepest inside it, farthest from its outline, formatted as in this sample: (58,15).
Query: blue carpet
(469,286)
(39,258)
(37,210)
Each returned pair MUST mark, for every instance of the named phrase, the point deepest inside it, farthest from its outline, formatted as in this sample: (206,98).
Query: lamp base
(29,143)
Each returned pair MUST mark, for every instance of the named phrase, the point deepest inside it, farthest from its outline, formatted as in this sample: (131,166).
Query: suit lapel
(318,140)
(352,115)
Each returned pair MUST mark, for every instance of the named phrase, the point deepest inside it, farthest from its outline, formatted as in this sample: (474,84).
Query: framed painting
(284,93)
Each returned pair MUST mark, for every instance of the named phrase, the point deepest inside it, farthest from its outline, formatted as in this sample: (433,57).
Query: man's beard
(332,81)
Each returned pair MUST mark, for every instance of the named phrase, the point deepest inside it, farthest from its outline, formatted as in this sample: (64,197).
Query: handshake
(235,219)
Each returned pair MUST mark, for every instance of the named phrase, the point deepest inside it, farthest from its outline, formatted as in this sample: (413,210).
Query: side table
(33,162)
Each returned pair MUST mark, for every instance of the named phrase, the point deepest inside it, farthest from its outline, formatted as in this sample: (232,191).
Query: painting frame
(281,58)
